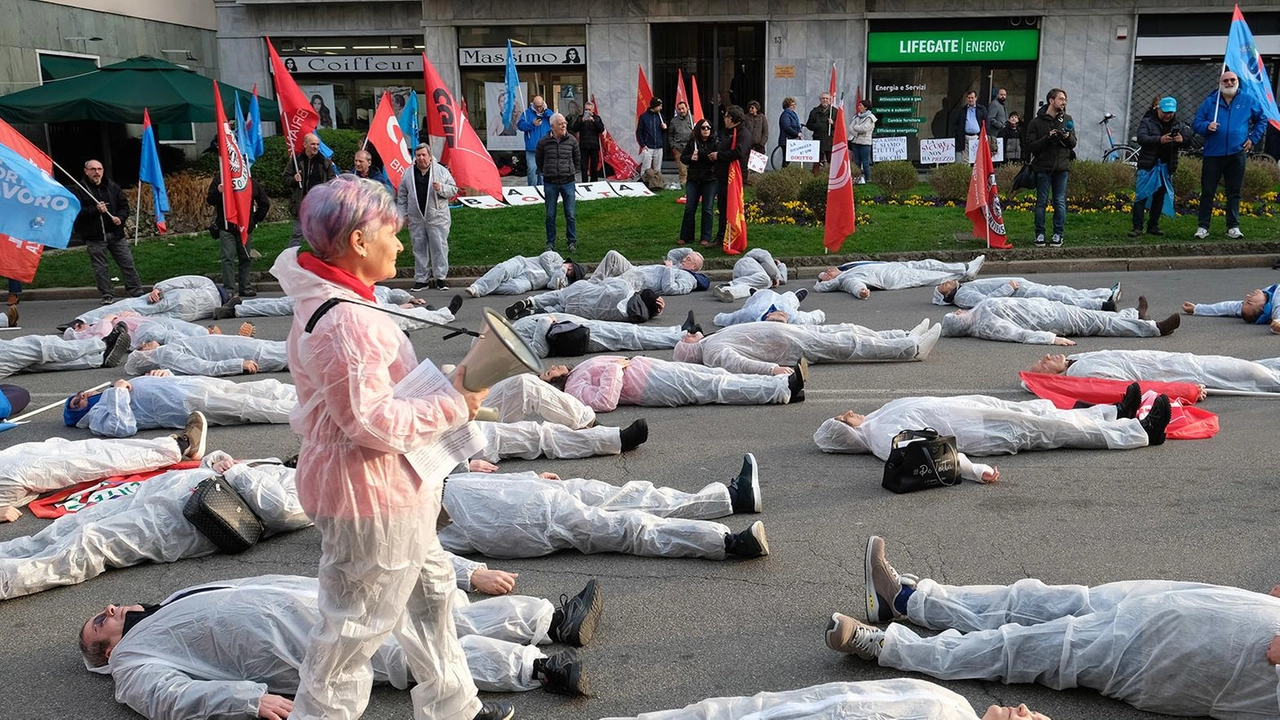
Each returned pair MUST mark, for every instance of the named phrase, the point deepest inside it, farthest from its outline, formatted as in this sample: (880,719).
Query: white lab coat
(1038,321)
(165,402)
(759,347)
(210,356)
(521,515)
(1212,371)
(28,470)
(1167,647)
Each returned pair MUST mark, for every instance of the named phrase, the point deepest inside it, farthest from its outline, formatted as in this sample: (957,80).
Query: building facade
(914,59)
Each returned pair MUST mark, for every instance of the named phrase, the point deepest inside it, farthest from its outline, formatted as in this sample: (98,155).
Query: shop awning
(120,92)
(61,67)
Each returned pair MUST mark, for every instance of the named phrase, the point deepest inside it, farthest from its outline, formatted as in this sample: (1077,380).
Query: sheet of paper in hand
(435,460)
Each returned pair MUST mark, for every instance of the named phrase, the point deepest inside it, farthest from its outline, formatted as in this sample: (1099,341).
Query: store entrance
(727,59)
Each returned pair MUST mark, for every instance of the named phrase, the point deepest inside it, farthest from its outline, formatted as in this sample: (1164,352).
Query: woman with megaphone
(382,569)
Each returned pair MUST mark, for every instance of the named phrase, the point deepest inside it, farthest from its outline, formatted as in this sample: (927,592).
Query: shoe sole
(757,532)
(803,365)
(869,587)
(587,629)
(204,436)
(757,505)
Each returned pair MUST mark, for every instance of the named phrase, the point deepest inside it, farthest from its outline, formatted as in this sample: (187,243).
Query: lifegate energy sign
(953,46)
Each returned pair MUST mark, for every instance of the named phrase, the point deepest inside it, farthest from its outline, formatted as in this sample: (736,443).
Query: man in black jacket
(103,210)
(821,123)
(303,172)
(1160,134)
(558,159)
(1051,139)
(966,125)
(236,258)
(734,146)
(589,128)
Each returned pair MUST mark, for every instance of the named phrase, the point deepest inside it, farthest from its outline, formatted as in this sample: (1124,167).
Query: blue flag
(409,119)
(513,87)
(149,171)
(242,134)
(255,126)
(1245,61)
(33,207)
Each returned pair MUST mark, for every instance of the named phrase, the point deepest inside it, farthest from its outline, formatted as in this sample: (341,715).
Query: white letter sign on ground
(522,195)
(937,151)
(594,191)
(802,151)
(631,189)
(884,149)
(482,202)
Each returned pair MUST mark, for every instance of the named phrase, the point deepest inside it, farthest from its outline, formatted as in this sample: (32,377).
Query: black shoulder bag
(222,516)
(921,460)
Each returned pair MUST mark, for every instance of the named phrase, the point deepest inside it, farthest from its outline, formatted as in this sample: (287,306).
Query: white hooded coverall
(1038,321)
(48,353)
(527,397)
(186,297)
(606,336)
(605,300)
(766,301)
(606,381)
(1212,371)
(210,356)
(530,440)
(165,402)
(521,275)
(429,231)
(142,329)
(862,275)
(975,291)
(759,348)
(28,470)
(662,279)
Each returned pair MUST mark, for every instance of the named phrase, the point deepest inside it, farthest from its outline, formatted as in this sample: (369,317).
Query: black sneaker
(455,304)
(1040,240)
(795,383)
(441,285)
(248,292)
(228,309)
(1136,232)
(634,435)
(574,622)
(561,674)
(744,490)
(1129,404)
(291,461)
(118,345)
(1157,420)
(419,287)
(519,309)
(750,543)
(192,440)
(496,711)
(1056,241)
(1154,231)
(801,294)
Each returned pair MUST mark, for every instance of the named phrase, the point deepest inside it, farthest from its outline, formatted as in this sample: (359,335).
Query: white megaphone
(497,354)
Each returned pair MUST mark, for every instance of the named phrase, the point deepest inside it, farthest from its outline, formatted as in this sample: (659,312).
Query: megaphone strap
(331,303)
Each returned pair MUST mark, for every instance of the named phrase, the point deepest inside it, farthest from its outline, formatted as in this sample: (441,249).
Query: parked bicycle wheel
(776,157)
(1121,153)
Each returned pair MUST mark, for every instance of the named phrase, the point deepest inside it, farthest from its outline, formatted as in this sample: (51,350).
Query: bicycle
(1117,152)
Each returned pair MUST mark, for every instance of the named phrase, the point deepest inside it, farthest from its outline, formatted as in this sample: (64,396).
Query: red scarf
(335,275)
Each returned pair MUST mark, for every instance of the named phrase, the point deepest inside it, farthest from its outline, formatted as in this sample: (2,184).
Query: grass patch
(644,229)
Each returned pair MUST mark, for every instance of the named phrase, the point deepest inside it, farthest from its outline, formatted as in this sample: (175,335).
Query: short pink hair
(332,211)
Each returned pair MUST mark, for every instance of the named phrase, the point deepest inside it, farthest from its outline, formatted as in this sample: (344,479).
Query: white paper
(884,149)
(757,161)
(997,149)
(437,459)
(803,150)
(935,151)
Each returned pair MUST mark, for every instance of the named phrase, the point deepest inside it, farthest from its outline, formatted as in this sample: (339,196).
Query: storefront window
(522,35)
(726,58)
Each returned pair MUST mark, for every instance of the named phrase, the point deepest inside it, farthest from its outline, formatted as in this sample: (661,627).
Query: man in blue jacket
(535,123)
(1231,123)
(651,133)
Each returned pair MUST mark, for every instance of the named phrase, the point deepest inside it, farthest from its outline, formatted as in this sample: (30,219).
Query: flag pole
(73,179)
(53,405)
(1224,69)
(137,223)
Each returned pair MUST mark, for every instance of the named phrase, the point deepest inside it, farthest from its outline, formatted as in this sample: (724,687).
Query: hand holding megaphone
(472,397)
(497,354)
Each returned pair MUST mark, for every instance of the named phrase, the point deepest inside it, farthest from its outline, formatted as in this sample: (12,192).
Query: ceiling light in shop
(318,47)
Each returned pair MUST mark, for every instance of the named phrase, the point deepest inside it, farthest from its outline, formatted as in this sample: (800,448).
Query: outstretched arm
(160,692)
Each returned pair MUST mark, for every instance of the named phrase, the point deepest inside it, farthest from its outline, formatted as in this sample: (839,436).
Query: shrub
(1091,180)
(780,186)
(188,211)
(896,177)
(1004,178)
(813,193)
(268,169)
(1186,178)
(1261,175)
(951,181)
(1123,176)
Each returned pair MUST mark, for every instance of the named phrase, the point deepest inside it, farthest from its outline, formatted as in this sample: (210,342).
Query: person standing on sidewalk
(303,172)
(560,158)
(1051,140)
(423,198)
(103,210)
(1231,124)
(236,256)
(679,131)
(1160,135)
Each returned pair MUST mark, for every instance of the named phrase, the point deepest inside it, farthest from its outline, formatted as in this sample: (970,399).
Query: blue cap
(1168,104)
(71,417)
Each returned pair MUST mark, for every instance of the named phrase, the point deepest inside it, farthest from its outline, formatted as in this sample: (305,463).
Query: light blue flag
(242,134)
(1245,61)
(149,172)
(513,87)
(409,119)
(255,125)
(33,207)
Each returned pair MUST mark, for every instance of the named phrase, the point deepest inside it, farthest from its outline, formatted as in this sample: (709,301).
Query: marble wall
(1080,54)
(811,47)
(612,73)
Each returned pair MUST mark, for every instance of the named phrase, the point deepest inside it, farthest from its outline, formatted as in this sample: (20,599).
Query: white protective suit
(28,470)
(165,402)
(382,570)
(186,297)
(530,440)
(210,356)
(1212,371)
(975,291)
(606,381)
(527,397)
(1038,321)
(759,348)
(612,299)
(521,275)
(985,425)
(387,297)
(142,329)
(215,653)
(896,699)
(521,516)
(146,526)
(862,275)
(662,279)
(606,336)
(756,269)
(429,229)
(48,353)
(1235,308)
(1167,647)
(766,301)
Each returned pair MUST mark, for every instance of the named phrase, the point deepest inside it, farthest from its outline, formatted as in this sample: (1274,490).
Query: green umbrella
(119,93)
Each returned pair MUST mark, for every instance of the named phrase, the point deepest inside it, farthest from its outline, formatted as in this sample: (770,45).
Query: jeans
(531,162)
(295,239)
(1155,202)
(591,165)
(862,158)
(15,287)
(1059,184)
(1230,170)
(553,192)
(235,261)
(695,192)
(722,204)
(119,249)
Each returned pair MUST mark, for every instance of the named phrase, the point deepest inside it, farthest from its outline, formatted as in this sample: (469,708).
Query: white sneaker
(862,181)
(918,330)
(1202,233)
(847,635)
(927,341)
(974,267)
(723,293)
(1235,234)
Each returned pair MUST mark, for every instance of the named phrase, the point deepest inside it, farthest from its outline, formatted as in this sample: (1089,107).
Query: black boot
(691,325)
(1129,404)
(496,711)
(750,543)
(1169,324)
(574,622)
(744,490)
(228,309)
(1157,420)
(634,435)
(795,382)
(562,674)
(455,304)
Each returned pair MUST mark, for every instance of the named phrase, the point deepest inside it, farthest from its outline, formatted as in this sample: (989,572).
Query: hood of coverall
(956,324)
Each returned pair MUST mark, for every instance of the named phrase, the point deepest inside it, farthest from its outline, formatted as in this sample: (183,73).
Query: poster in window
(321,97)
(502,132)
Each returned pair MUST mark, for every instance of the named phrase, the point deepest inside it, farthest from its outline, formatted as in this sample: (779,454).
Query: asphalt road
(677,631)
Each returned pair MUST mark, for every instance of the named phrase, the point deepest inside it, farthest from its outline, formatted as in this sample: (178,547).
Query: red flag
(387,138)
(735,230)
(464,154)
(237,191)
(832,89)
(983,206)
(19,258)
(643,95)
(1064,391)
(696,105)
(841,218)
(297,117)
(624,166)
(680,96)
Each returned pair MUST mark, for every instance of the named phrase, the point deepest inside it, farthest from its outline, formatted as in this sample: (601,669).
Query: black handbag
(921,460)
(222,516)
(1026,178)
(568,339)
